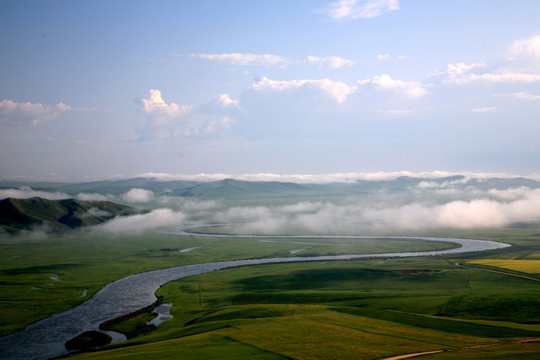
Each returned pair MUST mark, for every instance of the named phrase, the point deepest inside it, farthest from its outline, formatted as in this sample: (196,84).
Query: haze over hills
(58,215)
(242,189)
(369,206)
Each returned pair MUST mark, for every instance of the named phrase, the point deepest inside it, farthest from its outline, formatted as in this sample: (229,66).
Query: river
(46,338)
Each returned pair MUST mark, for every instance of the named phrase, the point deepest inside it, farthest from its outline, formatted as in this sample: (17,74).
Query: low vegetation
(57,216)
(365,309)
(523,266)
(464,306)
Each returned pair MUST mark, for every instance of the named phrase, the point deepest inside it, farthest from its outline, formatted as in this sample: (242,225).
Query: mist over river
(46,338)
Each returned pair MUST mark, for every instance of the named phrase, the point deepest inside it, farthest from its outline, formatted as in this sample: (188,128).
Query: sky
(116,89)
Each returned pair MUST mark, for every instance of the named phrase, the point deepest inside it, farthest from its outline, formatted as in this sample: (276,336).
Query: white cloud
(510,77)
(385,82)
(225,100)
(457,73)
(26,192)
(383,214)
(153,105)
(461,74)
(526,48)
(138,196)
(337,90)
(170,120)
(22,113)
(512,193)
(97,212)
(334,62)
(445,184)
(387,57)
(356,9)
(346,177)
(246,59)
(522,66)
(137,224)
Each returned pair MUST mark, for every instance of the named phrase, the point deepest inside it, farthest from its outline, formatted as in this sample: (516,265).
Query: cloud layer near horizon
(360,215)
(138,224)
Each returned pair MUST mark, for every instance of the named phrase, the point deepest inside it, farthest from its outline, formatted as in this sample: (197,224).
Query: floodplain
(368,309)
(476,305)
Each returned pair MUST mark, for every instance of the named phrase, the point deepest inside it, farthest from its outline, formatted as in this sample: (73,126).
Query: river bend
(46,338)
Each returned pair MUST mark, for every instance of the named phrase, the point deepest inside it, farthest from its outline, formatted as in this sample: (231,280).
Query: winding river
(46,338)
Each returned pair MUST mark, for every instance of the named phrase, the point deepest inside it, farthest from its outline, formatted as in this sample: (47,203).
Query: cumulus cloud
(155,106)
(15,113)
(526,48)
(521,66)
(385,82)
(246,59)
(26,192)
(458,73)
(339,91)
(137,224)
(333,62)
(169,120)
(226,101)
(356,9)
(138,196)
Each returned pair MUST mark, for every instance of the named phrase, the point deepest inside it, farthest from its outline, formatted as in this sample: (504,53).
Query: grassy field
(524,266)
(364,309)
(342,310)
(39,278)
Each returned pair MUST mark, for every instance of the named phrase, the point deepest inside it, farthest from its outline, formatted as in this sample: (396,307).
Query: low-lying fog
(452,204)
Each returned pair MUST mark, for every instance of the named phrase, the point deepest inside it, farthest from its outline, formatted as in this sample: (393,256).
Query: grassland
(42,277)
(364,309)
(524,266)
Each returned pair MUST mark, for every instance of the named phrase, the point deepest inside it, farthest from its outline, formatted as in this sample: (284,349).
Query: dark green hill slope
(57,215)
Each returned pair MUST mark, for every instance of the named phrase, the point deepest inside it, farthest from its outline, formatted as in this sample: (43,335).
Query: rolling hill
(57,215)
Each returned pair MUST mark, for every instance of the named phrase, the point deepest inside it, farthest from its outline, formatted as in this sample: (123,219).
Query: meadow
(363,309)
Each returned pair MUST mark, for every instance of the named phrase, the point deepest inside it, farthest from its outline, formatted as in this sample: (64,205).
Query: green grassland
(522,265)
(43,277)
(365,309)
(362,309)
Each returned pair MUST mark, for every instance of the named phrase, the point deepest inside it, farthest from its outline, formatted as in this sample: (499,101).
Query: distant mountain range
(57,216)
(238,189)
(20,213)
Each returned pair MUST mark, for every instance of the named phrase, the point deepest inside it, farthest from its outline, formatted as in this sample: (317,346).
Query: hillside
(57,215)
(232,189)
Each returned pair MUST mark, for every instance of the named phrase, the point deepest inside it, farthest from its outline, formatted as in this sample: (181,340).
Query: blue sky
(101,89)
